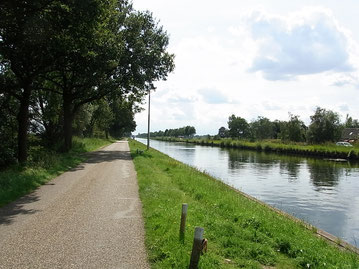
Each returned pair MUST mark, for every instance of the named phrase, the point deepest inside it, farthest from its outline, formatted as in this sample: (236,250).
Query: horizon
(254,58)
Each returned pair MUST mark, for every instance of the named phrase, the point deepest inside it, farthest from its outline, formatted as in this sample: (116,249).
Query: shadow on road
(103,156)
(8,212)
(108,156)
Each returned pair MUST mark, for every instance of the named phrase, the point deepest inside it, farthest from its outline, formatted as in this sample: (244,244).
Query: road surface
(89,217)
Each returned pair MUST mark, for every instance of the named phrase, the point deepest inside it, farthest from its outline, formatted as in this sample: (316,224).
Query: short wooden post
(183,221)
(197,248)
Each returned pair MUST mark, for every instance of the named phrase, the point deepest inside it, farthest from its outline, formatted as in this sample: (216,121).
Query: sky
(254,58)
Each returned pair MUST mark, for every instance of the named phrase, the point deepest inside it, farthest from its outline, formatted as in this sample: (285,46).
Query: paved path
(89,217)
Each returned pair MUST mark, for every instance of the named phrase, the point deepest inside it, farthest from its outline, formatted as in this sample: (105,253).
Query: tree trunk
(23,122)
(68,118)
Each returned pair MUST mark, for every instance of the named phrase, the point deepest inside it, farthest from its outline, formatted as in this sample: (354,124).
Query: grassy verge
(325,150)
(43,165)
(241,233)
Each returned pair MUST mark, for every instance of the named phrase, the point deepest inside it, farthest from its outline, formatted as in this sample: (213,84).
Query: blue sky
(254,58)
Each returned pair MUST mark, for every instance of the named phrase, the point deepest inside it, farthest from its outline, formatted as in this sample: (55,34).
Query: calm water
(323,193)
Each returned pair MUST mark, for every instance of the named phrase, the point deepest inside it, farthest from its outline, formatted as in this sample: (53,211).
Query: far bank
(321,151)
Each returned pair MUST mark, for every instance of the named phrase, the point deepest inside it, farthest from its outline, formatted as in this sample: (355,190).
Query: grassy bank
(241,233)
(325,150)
(43,165)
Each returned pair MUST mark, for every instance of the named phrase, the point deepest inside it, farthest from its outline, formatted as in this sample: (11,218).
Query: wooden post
(197,248)
(183,222)
(148,123)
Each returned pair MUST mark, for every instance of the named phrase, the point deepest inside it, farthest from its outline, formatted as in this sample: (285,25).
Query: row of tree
(74,66)
(186,131)
(325,126)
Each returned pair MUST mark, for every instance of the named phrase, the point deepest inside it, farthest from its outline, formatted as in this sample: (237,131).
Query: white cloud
(346,80)
(213,96)
(302,43)
(343,107)
(299,58)
(271,106)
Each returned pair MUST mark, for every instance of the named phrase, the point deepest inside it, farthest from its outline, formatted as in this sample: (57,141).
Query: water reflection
(323,193)
(324,175)
(291,167)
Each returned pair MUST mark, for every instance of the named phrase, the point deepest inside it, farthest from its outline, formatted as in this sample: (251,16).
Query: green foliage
(62,60)
(262,128)
(123,116)
(8,127)
(329,150)
(186,131)
(238,127)
(241,233)
(43,165)
(325,126)
(350,122)
(293,130)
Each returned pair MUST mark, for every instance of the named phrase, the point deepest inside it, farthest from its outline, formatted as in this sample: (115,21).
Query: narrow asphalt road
(89,217)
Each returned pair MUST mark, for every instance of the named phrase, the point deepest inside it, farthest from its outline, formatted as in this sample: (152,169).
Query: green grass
(42,166)
(328,150)
(241,233)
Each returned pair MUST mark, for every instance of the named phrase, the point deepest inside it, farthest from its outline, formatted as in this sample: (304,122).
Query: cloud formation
(213,96)
(307,42)
(346,79)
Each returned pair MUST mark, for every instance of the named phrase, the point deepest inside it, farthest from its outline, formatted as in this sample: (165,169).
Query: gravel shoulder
(89,217)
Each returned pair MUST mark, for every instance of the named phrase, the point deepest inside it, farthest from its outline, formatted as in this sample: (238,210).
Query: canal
(321,192)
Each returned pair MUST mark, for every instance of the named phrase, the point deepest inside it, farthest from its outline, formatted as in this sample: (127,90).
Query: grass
(241,233)
(43,165)
(328,150)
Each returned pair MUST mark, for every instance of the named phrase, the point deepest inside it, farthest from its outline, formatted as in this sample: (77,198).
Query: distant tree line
(74,67)
(186,131)
(325,126)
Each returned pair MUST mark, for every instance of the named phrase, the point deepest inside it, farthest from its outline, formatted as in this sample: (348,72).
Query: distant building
(350,135)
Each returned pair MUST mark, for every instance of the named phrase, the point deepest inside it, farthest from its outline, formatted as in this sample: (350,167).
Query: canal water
(321,192)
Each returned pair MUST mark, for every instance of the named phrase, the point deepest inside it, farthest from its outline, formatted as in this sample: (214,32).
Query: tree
(238,127)
(8,127)
(262,128)
(293,130)
(24,37)
(123,111)
(59,59)
(189,131)
(350,122)
(222,132)
(109,47)
(325,126)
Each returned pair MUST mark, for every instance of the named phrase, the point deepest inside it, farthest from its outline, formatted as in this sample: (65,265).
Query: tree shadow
(108,156)
(101,156)
(10,211)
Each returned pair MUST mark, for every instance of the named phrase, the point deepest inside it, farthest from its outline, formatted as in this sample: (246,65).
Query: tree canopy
(186,131)
(238,127)
(58,56)
(325,126)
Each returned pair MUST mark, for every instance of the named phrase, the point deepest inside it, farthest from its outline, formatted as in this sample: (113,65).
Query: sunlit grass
(241,233)
(42,166)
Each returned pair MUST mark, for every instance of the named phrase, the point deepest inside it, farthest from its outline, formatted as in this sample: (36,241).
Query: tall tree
(238,127)
(293,130)
(350,122)
(123,122)
(108,47)
(262,128)
(24,37)
(325,126)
